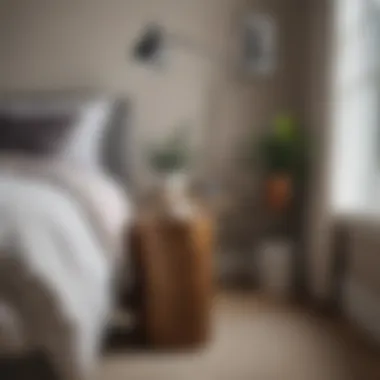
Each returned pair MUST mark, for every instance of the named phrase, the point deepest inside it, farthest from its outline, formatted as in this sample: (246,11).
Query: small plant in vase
(170,161)
(281,154)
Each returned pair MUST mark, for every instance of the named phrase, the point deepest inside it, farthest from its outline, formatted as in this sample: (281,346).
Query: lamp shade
(149,45)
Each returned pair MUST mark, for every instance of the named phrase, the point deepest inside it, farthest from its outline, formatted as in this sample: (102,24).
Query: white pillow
(84,144)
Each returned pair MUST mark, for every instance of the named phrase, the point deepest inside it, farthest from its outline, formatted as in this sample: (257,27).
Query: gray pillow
(37,135)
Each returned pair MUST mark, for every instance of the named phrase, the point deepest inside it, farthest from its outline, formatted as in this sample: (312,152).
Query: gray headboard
(99,138)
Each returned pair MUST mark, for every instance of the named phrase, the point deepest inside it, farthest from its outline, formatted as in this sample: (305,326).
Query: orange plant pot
(279,192)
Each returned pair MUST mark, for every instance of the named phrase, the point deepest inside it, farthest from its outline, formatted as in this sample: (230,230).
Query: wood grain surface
(174,268)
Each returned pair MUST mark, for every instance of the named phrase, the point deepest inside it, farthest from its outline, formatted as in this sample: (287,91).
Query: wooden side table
(173,260)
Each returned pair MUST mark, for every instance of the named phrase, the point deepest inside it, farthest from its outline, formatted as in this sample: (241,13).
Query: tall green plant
(282,149)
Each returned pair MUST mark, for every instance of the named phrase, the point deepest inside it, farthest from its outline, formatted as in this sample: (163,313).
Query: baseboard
(363,307)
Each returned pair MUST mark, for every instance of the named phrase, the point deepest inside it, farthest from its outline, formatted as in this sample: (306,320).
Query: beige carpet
(254,339)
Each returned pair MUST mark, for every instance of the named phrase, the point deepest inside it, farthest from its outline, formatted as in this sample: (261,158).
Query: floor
(257,339)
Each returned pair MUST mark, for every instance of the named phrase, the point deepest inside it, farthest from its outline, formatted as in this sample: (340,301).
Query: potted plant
(282,158)
(169,159)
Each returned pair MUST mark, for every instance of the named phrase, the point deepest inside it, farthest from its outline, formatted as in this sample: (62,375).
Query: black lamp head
(149,46)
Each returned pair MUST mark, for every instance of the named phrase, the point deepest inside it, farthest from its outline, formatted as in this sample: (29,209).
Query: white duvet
(61,234)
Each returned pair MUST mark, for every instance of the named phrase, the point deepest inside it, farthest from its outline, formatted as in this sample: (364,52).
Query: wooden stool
(174,270)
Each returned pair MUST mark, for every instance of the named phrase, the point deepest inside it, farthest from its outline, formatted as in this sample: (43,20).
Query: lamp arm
(183,42)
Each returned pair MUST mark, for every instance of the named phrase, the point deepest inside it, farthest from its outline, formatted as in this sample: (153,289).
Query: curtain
(355,138)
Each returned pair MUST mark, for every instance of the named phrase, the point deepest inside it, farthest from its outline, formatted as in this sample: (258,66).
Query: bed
(64,212)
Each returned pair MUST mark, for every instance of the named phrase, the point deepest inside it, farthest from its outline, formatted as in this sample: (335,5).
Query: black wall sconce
(150,46)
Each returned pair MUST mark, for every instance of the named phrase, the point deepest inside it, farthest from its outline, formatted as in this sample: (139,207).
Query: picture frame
(259,44)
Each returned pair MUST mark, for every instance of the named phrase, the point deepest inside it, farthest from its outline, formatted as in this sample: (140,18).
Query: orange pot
(279,192)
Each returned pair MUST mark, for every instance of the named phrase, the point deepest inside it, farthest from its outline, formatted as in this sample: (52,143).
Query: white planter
(175,194)
(275,267)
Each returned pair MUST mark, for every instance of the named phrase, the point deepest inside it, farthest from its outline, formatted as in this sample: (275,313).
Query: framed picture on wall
(259,44)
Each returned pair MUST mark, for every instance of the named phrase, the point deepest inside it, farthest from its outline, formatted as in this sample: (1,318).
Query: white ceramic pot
(175,188)
(275,265)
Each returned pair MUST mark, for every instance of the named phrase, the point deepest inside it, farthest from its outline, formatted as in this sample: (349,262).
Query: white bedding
(61,236)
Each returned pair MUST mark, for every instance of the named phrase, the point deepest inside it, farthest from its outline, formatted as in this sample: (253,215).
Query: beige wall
(65,43)
(319,99)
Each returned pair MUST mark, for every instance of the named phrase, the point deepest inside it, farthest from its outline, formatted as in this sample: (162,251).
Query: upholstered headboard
(98,138)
